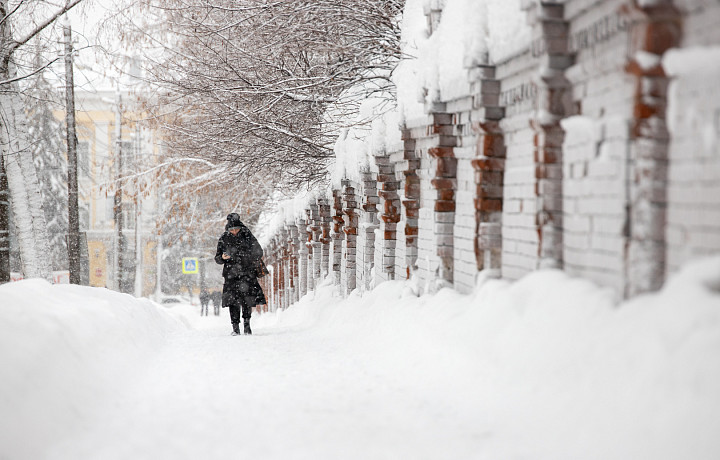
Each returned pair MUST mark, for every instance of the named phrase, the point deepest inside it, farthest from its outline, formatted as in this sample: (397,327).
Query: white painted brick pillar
(273,259)
(280,273)
(283,252)
(554,98)
(338,237)
(445,184)
(308,244)
(411,203)
(390,215)
(368,226)
(290,289)
(325,223)
(316,244)
(489,165)
(350,228)
(658,30)
(302,257)
(294,247)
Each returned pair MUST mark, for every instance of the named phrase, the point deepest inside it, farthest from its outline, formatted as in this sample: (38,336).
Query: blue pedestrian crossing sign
(190,265)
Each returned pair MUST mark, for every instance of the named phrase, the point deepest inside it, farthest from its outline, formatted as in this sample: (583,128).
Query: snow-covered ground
(548,367)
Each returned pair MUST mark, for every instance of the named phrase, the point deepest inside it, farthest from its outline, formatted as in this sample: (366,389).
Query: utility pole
(73,239)
(4,225)
(138,220)
(158,248)
(117,202)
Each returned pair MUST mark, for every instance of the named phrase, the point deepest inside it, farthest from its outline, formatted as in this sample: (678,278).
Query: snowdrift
(62,349)
(551,366)
(561,368)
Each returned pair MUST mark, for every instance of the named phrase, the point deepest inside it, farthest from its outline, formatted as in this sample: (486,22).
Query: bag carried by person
(261,269)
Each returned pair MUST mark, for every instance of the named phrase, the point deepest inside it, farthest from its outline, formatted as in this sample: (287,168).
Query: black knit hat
(233,221)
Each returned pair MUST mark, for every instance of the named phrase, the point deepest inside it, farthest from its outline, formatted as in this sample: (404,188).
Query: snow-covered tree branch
(21,22)
(263,84)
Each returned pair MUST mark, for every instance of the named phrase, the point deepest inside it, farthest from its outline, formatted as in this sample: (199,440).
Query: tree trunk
(71,139)
(4,225)
(21,176)
(24,188)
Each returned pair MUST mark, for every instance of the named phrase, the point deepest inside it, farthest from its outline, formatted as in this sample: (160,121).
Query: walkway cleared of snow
(549,367)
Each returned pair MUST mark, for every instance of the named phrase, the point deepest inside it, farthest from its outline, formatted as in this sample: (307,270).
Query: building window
(126,149)
(84,216)
(110,208)
(83,158)
(127,155)
(128,210)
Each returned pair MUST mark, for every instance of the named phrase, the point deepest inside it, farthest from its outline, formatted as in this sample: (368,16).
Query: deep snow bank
(62,349)
(551,366)
(562,370)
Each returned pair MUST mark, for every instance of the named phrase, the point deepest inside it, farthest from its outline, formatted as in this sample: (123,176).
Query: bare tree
(260,87)
(47,141)
(20,22)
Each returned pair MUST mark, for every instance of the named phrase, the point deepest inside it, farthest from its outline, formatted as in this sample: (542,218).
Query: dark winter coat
(240,271)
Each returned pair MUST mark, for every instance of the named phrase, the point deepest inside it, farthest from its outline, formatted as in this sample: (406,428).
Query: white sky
(93,71)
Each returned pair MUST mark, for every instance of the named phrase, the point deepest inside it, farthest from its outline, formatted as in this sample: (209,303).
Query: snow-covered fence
(587,141)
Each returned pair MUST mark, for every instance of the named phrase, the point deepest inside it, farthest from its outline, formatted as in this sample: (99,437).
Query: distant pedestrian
(204,301)
(240,254)
(216,297)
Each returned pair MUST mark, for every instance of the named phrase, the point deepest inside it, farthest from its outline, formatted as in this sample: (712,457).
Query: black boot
(236,329)
(247,326)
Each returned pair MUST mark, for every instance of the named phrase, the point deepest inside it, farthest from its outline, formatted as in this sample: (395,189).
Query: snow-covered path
(281,393)
(546,368)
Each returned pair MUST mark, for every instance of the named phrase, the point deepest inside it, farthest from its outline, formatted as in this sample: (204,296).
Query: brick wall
(597,143)
(579,153)
(520,238)
(693,213)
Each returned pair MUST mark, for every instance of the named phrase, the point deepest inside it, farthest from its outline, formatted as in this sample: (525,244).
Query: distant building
(98,146)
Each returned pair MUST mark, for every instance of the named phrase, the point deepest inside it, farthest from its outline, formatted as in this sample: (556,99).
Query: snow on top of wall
(442,58)
(647,60)
(508,32)
(459,42)
(470,32)
(286,211)
(408,76)
(698,60)
(692,68)
(374,131)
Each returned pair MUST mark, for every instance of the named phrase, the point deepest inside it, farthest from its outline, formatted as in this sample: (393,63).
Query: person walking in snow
(240,254)
(204,301)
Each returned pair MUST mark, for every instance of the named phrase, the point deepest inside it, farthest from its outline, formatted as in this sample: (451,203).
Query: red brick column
(411,201)
(315,227)
(489,166)
(267,282)
(294,243)
(658,29)
(287,268)
(554,104)
(278,287)
(390,215)
(370,201)
(338,236)
(350,228)
(445,183)
(325,221)
(302,257)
